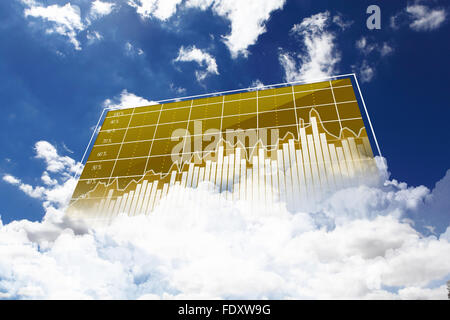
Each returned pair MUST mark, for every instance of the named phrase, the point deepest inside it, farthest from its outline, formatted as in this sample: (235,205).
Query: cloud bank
(359,243)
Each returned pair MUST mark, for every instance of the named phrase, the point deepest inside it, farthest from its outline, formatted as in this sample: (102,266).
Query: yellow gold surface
(168,144)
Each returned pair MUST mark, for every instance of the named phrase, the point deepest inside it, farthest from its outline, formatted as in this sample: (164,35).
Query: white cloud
(203,247)
(367,48)
(365,69)
(46,179)
(58,188)
(419,17)
(177,90)
(65,20)
(257,84)
(247,18)
(127,100)
(10,179)
(320,56)
(386,49)
(424,18)
(100,9)
(160,9)
(363,45)
(93,36)
(366,72)
(202,58)
(338,19)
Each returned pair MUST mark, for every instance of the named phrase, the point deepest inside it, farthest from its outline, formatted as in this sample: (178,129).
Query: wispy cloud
(201,57)
(371,53)
(425,18)
(66,20)
(419,17)
(319,57)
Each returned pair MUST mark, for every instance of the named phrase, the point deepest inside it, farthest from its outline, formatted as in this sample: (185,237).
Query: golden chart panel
(311,135)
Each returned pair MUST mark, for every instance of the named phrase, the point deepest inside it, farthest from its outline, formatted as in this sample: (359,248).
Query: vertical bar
(281,180)
(275,189)
(141,197)
(261,180)
(237,174)
(319,155)
(224,174)
(301,177)
(123,203)
(151,205)
(249,184)
(255,178)
(313,163)
(195,177)
(146,198)
(306,161)
(295,180)
(230,175)
(189,177)
(343,166)
(117,206)
(348,158)
(335,164)
(288,175)
(208,171)
(201,175)
(129,201)
(135,199)
(326,156)
(243,180)
(268,175)
(213,174)
(219,168)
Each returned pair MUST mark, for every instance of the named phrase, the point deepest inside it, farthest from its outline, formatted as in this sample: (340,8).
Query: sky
(63,61)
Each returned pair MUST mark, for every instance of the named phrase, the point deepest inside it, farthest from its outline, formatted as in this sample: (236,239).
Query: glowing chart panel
(290,144)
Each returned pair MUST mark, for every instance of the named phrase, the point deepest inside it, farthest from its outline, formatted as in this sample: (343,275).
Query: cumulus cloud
(247,18)
(209,247)
(320,55)
(57,177)
(202,58)
(65,20)
(160,9)
(127,100)
(100,9)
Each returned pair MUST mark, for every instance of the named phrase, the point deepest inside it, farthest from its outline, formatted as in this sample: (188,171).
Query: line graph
(289,143)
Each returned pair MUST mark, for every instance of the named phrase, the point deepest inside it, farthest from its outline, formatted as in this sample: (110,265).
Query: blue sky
(62,61)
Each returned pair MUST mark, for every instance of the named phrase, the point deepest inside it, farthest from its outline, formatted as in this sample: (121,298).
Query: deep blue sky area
(50,90)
